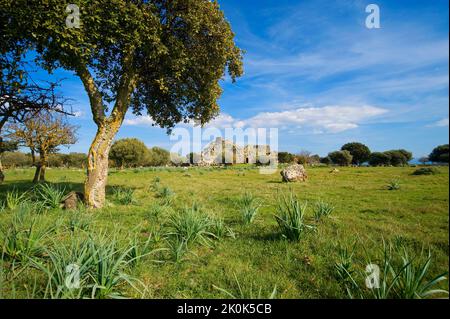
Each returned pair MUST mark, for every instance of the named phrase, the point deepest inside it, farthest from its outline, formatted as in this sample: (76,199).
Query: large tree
(440,154)
(159,56)
(359,151)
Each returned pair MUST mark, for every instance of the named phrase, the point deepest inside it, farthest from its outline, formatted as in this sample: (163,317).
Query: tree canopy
(359,151)
(440,154)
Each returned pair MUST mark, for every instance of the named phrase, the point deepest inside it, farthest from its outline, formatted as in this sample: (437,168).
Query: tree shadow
(23,186)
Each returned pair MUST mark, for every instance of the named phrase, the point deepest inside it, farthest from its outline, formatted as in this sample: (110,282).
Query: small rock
(294,173)
(71,200)
(334,170)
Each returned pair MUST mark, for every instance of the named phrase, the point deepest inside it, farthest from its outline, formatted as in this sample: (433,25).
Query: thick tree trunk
(2,176)
(97,168)
(39,174)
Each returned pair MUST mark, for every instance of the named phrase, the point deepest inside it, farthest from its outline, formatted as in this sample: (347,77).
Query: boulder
(72,199)
(294,173)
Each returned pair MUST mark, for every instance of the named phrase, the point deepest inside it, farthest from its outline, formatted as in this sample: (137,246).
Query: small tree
(128,152)
(379,159)
(359,151)
(326,160)
(440,154)
(43,133)
(285,157)
(341,158)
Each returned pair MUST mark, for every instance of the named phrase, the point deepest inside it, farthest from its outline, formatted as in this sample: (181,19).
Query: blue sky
(314,71)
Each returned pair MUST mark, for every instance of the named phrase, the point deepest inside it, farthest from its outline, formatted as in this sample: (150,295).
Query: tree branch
(95,97)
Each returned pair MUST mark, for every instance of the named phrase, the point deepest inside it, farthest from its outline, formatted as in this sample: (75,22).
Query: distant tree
(43,133)
(158,157)
(303,157)
(359,151)
(341,158)
(440,154)
(5,146)
(75,160)
(128,152)
(285,157)
(398,158)
(16,159)
(407,154)
(326,160)
(379,159)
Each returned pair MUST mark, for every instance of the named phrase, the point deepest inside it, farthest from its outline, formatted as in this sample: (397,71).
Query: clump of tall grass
(322,209)
(14,198)
(426,171)
(291,217)
(78,220)
(177,248)
(393,185)
(240,292)
(23,238)
(101,266)
(49,195)
(248,206)
(191,226)
(124,195)
(166,195)
(400,276)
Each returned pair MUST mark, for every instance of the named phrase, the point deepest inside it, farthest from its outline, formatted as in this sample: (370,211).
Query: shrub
(290,217)
(426,171)
(49,195)
(157,157)
(322,209)
(440,154)
(341,158)
(360,152)
(249,206)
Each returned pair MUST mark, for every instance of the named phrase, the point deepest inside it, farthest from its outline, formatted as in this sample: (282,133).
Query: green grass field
(247,259)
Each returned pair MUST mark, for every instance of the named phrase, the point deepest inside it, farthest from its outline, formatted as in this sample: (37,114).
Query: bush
(440,154)
(326,160)
(426,171)
(16,159)
(123,195)
(341,158)
(359,151)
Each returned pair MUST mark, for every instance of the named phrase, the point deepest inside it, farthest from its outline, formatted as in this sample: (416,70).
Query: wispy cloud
(440,123)
(327,119)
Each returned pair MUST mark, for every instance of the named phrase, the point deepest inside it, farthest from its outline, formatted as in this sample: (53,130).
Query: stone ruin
(226,152)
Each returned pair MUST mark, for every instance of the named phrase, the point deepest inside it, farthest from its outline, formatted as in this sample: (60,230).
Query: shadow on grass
(25,185)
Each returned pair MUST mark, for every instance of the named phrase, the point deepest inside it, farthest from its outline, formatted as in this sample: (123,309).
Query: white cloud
(140,121)
(440,123)
(327,119)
